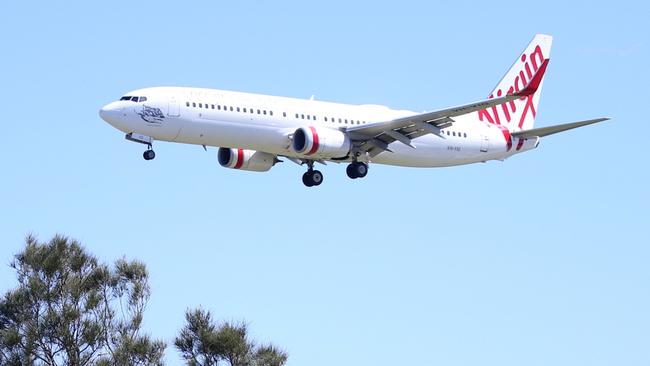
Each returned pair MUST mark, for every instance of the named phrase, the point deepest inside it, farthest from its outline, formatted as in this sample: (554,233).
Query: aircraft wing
(377,136)
(545,131)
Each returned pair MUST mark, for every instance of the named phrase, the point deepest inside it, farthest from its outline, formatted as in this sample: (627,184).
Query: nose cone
(111,113)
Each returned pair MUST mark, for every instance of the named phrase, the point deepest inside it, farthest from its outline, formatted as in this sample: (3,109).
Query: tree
(70,309)
(204,343)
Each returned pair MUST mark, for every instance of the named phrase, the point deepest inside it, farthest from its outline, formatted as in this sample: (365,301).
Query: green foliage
(270,356)
(69,309)
(204,343)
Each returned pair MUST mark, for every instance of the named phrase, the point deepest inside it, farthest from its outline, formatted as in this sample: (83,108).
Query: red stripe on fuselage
(520,144)
(314,146)
(240,158)
(507,136)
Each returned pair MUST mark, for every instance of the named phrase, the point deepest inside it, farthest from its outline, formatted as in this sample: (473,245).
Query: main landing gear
(357,170)
(312,177)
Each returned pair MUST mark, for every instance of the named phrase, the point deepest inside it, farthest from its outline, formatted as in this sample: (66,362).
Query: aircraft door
(174,108)
(485,143)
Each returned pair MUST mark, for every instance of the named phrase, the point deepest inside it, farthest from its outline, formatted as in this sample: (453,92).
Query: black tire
(316,177)
(361,170)
(306,180)
(350,171)
(149,155)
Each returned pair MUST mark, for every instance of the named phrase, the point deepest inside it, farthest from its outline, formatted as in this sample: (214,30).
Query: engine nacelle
(319,142)
(251,160)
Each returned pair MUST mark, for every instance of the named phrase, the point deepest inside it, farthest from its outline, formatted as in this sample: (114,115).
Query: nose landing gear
(149,154)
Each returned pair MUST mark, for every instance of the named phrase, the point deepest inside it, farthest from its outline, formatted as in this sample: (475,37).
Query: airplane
(254,132)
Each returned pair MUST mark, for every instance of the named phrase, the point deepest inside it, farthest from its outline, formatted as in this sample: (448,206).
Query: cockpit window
(134,99)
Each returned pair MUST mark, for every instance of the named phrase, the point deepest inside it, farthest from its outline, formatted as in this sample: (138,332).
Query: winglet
(534,83)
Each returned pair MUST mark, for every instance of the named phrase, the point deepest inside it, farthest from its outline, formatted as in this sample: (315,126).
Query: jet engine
(319,142)
(242,159)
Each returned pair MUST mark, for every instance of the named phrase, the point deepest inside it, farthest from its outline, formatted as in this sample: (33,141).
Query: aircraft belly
(237,135)
(432,151)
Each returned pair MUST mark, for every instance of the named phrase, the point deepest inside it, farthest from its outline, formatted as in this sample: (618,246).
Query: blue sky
(540,260)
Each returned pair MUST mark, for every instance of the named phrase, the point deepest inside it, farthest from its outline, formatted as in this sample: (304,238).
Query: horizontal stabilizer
(545,131)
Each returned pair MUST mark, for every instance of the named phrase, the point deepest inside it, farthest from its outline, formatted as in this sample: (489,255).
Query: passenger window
(187,104)
(271,112)
(325,119)
(465,134)
(264,112)
(296,115)
(194,105)
(200,105)
(302,116)
(231,109)
(258,112)
(237,109)
(284,114)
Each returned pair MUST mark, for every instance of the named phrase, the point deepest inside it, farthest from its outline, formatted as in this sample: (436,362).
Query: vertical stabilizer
(520,114)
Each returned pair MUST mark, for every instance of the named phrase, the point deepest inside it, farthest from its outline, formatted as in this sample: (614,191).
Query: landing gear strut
(142,139)
(357,170)
(312,177)
(149,154)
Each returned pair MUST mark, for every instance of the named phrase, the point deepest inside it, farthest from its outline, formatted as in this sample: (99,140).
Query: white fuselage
(266,123)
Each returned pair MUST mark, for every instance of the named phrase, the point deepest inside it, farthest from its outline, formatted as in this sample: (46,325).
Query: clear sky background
(540,260)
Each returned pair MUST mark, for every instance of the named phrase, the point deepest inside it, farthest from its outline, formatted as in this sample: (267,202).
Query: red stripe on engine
(240,158)
(315,145)
(507,136)
(520,144)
